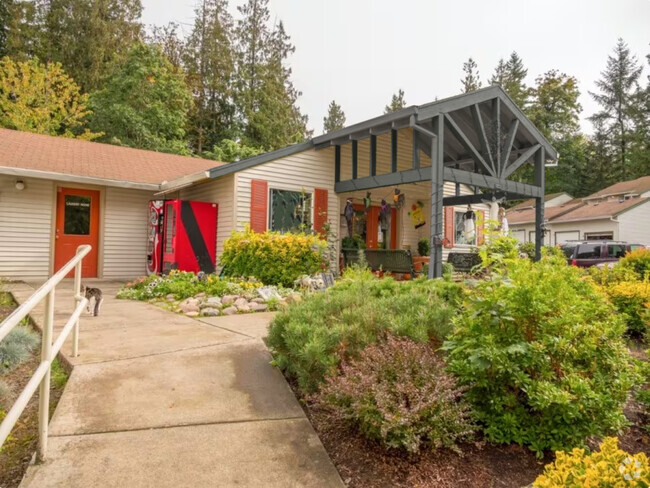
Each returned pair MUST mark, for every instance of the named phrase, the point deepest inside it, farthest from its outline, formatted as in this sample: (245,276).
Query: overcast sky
(360,52)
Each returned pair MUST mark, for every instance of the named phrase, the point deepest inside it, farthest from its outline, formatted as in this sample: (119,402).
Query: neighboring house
(57,193)
(619,212)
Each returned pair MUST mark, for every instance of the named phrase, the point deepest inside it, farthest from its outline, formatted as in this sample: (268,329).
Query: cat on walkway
(95,293)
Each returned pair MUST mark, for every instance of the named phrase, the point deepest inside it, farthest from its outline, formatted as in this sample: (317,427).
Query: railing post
(44,392)
(77,299)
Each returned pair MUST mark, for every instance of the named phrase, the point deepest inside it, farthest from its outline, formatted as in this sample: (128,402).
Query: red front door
(77,223)
(369,221)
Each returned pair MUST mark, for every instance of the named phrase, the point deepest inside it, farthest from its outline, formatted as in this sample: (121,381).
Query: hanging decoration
(503,222)
(384,215)
(398,198)
(348,213)
(417,215)
(469,225)
(367,202)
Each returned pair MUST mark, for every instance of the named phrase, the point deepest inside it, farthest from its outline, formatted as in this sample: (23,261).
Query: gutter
(182,182)
(49,175)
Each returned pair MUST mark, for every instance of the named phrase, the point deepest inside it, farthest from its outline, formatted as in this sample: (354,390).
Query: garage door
(567,235)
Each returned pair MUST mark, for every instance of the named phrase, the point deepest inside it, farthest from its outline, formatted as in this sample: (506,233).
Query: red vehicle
(593,253)
(182,235)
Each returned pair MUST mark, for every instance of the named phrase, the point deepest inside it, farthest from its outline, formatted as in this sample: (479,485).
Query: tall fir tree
(5,20)
(618,92)
(172,45)
(266,96)
(510,75)
(21,29)
(335,118)
(86,36)
(397,102)
(210,64)
(471,81)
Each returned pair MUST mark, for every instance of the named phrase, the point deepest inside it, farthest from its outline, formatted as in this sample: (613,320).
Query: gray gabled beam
(337,163)
(525,156)
(449,174)
(462,200)
(393,150)
(482,136)
(416,150)
(496,131)
(373,155)
(507,147)
(355,159)
(464,140)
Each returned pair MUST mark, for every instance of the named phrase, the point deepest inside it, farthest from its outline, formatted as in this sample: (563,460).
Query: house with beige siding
(57,193)
(619,212)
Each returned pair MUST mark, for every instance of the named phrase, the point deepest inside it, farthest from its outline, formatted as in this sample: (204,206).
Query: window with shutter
(259,199)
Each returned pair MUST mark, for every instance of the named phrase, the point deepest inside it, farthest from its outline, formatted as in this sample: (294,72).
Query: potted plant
(423,251)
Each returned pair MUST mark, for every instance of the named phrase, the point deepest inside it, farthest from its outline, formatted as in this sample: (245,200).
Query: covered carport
(478,140)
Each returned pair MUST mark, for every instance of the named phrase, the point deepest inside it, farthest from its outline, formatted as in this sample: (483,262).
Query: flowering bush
(183,284)
(632,299)
(542,354)
(637,261)
(271,257)
(611,467)
(398,393)
(309,340)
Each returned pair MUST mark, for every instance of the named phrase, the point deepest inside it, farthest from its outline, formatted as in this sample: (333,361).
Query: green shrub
(397,392)
(271,257)
(498,251)
(609,467)
(16,347)
(423,247)
(310,339)
(527,248)
(354,242)
(607,275)
(447,269)
(542,354)
(637,261)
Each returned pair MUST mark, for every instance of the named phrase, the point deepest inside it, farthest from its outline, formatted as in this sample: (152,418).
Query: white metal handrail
(41,377)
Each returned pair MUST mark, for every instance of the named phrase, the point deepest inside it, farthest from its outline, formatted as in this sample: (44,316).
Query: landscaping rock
(192,314)
(240,302)
(259,307)
(189,305)
(229,299)
(258,300)
(244,308)
(170,297)
(212,301)
(200,295)
(294,298)
(229,311)
(210,312)
(267,292)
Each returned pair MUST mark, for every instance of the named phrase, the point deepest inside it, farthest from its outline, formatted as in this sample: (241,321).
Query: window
(588,251)
(615,250)
(461,235)
(76,219)
(599,236)
(290,211)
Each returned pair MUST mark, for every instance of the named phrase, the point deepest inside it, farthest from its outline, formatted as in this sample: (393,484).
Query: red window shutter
(480,236)
(259,205)
(320,210)
(449,227)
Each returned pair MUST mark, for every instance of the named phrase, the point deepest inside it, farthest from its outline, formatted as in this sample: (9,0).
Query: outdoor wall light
(20,185)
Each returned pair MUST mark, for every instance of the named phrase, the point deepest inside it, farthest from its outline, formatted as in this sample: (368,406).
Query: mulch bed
(366,464)
(21,445)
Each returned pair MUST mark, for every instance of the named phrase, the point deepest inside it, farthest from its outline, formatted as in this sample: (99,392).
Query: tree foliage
(397,102)
(471,81)
(335,118)
(144,104)
(510,75)
(42,98)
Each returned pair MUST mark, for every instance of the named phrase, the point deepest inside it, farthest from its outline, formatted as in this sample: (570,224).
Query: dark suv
(592,253)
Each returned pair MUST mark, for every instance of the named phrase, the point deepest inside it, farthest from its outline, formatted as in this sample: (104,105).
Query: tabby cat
(95,293)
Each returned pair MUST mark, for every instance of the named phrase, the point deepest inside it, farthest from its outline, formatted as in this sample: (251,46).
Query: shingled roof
(631,187)
(74,157)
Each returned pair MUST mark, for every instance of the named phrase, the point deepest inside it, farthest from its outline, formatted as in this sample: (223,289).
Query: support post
(337,163)
(44,391)
(355,158)
(373,155)
(540,156)
(393,151)
(77,299)
(437,193)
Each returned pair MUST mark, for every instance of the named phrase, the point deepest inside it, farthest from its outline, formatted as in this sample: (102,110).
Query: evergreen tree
(85,36)
(510,76)
(5,20)
(617,96)
(471,81)
(19,23)
(335,118)
(144,103)
(396,103)
(210,64)
(266,97)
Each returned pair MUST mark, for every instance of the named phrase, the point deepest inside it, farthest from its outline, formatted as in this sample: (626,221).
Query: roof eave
(68,178)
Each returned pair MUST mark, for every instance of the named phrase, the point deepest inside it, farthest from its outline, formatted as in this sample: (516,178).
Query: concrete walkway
(157,399)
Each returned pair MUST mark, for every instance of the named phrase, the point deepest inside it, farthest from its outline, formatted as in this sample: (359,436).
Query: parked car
(594,253)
